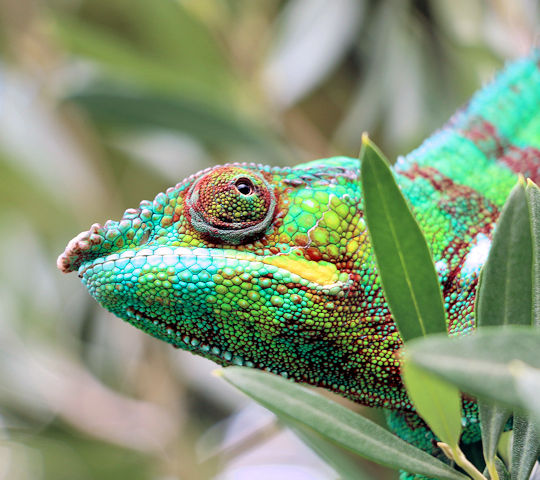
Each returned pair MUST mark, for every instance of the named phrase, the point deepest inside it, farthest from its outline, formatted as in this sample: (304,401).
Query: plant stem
(455,453)
(462,461)
(492,470)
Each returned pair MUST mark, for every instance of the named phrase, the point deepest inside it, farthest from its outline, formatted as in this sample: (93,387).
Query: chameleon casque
(272,267)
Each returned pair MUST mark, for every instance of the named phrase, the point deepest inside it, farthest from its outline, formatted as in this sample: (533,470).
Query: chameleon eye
(231,204)
(244,186)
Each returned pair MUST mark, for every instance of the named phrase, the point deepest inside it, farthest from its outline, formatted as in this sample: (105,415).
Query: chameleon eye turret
(231,204)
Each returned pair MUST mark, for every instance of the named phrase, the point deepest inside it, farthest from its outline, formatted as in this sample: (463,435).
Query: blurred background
(104,103)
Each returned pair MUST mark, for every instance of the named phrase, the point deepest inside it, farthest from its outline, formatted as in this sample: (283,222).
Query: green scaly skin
(272,268)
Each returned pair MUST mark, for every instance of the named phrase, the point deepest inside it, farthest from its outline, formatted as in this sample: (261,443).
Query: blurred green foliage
(106,102)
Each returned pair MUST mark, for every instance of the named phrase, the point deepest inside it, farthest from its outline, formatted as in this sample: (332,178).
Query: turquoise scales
(272,268)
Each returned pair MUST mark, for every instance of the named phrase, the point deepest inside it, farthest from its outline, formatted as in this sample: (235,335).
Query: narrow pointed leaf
(483,363)
(501,469)
(506,294)
(505,446)
(525,447)
(404,261)
(533,199)
(437,402)
(336,423)
(527,381)
(493,418)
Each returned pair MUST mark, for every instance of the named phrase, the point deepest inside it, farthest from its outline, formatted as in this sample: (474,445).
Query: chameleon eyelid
(233,233)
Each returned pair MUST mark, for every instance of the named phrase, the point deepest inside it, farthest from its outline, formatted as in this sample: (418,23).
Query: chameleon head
(252,265)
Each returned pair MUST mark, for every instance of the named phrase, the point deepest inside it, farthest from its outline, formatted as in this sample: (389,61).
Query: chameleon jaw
(181,295)
(188,296)
(186,342)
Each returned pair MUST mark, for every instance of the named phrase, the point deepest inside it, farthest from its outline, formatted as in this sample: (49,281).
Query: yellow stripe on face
(323,273)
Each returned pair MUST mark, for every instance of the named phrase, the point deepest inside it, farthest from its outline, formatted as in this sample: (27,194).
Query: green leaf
(336,423)
(504,447)
(408,276)
(501,469)
(525,448)
(482,363)
(493,418)
(527,381)
(437,402)
(533,199)
(506,294)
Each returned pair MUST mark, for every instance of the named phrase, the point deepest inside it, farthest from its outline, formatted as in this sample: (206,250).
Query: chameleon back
(458,180)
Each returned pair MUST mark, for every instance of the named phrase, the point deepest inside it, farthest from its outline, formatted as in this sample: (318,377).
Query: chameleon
(272,268)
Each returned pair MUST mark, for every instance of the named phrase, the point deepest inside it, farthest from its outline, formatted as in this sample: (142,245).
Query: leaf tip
(365,139)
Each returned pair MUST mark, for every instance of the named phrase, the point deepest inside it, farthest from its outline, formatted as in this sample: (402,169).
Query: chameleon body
(272,267)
